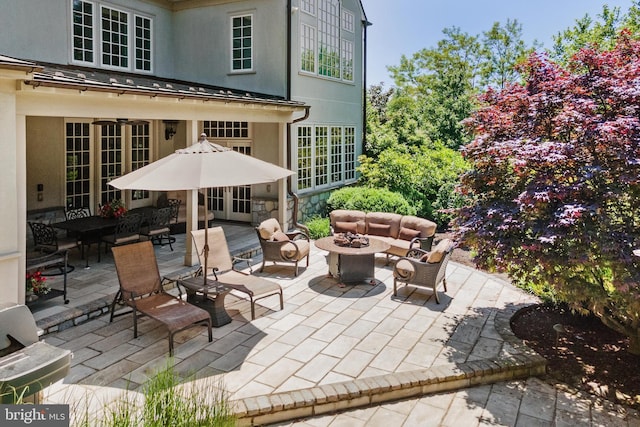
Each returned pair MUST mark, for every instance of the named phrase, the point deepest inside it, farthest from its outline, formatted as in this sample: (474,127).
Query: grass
(167,400)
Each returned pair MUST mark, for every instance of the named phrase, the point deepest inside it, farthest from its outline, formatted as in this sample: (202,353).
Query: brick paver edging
(331,398)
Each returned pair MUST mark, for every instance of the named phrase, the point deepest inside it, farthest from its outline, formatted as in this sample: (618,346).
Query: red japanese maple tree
(556,182)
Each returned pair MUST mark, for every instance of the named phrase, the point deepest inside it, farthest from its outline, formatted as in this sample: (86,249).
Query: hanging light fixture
(170,128)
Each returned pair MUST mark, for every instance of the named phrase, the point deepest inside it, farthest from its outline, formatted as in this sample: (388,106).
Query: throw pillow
(379,229)
(279,236)
(408,234)
(424,257)
(346,227)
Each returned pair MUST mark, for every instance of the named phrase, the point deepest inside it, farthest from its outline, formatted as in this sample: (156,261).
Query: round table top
(375,246)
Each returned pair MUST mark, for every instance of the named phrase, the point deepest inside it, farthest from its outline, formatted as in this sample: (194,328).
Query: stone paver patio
(357,350)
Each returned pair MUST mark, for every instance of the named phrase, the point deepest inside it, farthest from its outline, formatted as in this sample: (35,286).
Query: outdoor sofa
(402,232)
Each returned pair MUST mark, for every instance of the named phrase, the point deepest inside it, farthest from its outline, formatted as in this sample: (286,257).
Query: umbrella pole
(206,238)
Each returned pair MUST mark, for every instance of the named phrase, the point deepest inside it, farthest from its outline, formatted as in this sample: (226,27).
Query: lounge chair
(140,289)
(221,267)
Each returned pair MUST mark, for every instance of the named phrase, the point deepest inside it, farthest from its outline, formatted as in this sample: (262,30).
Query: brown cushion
(346,227)
(268,227)
(279,236)
(408,234)
(378,229)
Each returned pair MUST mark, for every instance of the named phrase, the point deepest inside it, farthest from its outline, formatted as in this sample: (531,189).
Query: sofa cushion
(289,250)
(346,215)
(375,229)
(408,233)
(427,228)
(390,219)
(346,227)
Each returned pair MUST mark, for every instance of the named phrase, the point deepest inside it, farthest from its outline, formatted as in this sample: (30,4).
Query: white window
(83,35)
(308,6)
(114,32)
(78,164)
(347,21)
(347,60)
(308,48)
(305,158)
(140,154)
(326,156)
(242,43)
(327,41)
(111,38)
(143,43)
(220,129)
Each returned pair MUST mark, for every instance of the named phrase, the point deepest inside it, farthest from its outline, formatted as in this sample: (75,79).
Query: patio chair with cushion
(222,268)
(141,290)
(278,246)
(127,231)
(157,229)
(424,269)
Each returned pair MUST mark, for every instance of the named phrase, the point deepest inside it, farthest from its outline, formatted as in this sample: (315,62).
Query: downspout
(290,192)
(364,86)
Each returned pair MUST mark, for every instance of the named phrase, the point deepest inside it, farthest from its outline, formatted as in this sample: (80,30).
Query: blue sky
(403,27)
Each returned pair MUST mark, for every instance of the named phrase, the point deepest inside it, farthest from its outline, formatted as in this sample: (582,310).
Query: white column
(190,257)
(13,196)
(282,183)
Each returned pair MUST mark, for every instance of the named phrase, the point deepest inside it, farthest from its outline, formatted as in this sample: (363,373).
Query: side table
(209,297)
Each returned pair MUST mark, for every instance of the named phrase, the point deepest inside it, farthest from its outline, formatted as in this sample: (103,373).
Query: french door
(232,203)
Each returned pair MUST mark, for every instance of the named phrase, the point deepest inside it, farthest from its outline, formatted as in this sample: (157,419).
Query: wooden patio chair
(424,269)
(221,267)
(141,290)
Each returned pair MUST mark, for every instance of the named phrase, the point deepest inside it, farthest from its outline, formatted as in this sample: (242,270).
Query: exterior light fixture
(170,128)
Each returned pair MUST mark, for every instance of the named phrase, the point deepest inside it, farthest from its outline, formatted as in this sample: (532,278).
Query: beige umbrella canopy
(203,165)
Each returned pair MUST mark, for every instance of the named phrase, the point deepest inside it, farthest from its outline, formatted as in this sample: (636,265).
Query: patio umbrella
(203,165)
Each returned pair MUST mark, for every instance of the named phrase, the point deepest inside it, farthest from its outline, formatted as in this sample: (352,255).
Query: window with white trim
(82,37)
(220,129)
(348,21)
(326,156)
(347,60)
(307,48)
(242,43)
(308,6)
(140,154)
(327,40)
(112,37)
(78,164)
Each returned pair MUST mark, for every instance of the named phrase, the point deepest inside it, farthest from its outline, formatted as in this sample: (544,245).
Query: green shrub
(318,227)
(370,200)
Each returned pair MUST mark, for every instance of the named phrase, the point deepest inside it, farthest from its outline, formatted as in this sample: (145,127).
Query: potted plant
(113,209)
(36,285)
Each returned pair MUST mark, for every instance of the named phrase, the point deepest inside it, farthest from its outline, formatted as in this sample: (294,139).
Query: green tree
(502,49)
(600,32)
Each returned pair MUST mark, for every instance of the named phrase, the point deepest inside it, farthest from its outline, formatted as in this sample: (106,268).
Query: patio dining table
(88,229)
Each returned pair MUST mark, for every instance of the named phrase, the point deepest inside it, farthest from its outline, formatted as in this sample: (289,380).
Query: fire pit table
(352,265)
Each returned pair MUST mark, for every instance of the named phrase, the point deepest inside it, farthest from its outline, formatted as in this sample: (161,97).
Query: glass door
(232,203)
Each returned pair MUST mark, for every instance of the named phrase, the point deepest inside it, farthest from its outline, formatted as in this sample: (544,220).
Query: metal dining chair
(127,231)
(157,228)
